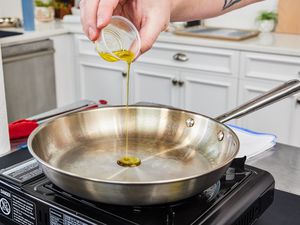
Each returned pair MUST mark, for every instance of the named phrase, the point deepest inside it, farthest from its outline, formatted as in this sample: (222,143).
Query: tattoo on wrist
(229,3)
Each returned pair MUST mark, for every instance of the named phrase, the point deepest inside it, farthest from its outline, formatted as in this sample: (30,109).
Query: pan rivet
(220,135)
(190,122)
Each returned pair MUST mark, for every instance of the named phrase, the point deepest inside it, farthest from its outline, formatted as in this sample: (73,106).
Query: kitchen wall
(11,8)
(242,18)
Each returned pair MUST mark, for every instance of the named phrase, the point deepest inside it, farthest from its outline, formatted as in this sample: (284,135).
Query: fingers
(88,11)
(150,31)
(96,14)
(105,11)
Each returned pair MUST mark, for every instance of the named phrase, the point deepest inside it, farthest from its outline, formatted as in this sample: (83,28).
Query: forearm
(187,10)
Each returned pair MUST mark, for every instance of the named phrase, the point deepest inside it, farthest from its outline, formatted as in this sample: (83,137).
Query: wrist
(174,13)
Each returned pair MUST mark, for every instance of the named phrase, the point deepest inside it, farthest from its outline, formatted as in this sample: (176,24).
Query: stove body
(27,197)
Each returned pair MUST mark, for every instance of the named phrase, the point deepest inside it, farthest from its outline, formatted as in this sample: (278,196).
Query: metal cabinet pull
(174,82)
(298,100)
(180,83)
(180,57)
(124,74)
(299,73)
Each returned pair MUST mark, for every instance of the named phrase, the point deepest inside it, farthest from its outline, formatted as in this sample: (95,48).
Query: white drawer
(84,45)
(269,66)
(200,58)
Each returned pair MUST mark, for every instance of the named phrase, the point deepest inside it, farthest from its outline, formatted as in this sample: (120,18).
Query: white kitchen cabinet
(215,60)
(208,93)
(206,80)
(153,83)
(259,73)
(186,77)
(65,77)
(271,67)
(295,134)
(98,82)
(96,78)
(4,136)
(278,118)
(159,77)
(197,91)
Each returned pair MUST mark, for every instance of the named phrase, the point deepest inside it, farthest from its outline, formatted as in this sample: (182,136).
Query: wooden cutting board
(288,16)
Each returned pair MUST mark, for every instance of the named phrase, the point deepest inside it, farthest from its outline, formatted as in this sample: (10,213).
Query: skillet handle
(272,96)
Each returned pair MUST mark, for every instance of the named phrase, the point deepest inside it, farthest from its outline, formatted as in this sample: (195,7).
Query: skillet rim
(73,175)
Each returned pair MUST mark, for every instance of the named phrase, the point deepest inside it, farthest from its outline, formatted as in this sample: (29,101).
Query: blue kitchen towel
(253,143)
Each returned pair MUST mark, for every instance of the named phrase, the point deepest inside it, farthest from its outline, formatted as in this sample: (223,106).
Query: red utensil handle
(21,128)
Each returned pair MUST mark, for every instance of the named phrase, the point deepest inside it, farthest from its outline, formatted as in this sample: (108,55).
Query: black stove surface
(284,210)
(27,195)
(8,33)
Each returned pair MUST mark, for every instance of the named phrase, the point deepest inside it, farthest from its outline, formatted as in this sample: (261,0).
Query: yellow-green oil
(129,161)
(128,57)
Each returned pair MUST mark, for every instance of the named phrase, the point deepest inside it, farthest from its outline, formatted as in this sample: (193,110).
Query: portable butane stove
(27,197)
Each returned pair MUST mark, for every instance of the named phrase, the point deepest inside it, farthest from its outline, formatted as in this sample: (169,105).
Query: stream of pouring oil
(128,57)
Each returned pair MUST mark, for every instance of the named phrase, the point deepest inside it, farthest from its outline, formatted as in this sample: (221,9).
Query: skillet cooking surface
(159,160)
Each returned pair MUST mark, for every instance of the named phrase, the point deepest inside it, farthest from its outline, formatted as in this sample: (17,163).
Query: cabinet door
(154,84)
(277,118)
(99,82)
(65,74)
(295,133)
(207,93)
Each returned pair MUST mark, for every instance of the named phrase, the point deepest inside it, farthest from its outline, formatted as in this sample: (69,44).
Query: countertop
(42,31)
(286,44)
(283,162)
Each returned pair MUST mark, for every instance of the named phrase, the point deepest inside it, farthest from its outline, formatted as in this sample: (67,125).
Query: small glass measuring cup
(119,35)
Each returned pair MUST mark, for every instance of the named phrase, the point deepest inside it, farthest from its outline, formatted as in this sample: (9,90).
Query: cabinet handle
(180,83)
(124,74)
(180,57)
(299,73)
(174,82)
(298,100)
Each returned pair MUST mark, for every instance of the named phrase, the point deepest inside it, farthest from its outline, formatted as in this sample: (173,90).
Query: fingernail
(99,22)
(91,33)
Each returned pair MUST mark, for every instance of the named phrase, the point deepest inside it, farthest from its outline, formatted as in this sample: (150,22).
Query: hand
(149,16)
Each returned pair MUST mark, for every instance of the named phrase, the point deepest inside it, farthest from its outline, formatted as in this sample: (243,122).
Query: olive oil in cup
(120,40)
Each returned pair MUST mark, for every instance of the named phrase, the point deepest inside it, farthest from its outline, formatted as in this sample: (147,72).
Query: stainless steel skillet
(182,153)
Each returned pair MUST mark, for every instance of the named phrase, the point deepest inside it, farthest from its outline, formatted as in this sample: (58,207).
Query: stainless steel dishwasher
(29,78)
